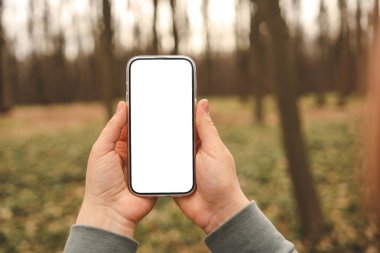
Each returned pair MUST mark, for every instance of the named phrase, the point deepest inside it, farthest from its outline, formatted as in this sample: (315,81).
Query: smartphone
(161,93)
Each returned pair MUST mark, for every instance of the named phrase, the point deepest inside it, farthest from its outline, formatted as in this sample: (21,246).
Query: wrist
(105,218)
(225,213)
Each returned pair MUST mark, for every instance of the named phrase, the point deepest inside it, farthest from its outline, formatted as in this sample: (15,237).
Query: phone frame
(128,99)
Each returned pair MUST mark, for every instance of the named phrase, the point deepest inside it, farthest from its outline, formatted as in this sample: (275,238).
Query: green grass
(42,178)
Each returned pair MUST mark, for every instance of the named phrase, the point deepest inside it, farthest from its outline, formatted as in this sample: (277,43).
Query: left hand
(108,204)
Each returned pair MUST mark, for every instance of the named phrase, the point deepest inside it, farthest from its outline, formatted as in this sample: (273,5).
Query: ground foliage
(43,156)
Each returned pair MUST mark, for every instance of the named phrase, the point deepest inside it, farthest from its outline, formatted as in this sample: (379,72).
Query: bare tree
(107,60)
(82,74)
(207,55)
(243,79)
(323,44)
(53,61)
(374,24)
(297,43)
(360,50)
(343,55)
(154,29)
(35,71)
(173,6)
(258,58)
(308,203)
(5,87)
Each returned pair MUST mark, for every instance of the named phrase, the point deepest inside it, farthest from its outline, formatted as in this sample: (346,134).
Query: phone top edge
(171,57)
(177,56)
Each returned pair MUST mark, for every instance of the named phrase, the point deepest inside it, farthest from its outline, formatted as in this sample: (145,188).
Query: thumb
(109,136)
(207,132)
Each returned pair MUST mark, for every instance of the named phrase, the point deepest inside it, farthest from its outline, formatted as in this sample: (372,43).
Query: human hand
(108,203)
(218,195)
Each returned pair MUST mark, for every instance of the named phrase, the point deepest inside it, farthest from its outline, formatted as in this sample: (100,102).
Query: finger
(207,132)
(122,149)
(122,144)
(196,135)
(123,135)
(124,132)
(111,133)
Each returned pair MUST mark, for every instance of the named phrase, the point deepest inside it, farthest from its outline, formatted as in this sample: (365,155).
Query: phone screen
(161,93)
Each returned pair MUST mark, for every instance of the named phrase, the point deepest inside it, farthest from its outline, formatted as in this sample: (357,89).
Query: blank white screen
(161,125)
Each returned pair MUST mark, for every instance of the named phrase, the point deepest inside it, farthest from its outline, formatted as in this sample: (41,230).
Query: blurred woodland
(272,54)
(335,60)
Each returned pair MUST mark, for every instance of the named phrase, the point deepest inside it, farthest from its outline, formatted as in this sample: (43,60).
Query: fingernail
(205,107)
(119,106)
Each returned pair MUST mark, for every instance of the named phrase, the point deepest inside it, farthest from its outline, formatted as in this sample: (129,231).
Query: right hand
(218,195)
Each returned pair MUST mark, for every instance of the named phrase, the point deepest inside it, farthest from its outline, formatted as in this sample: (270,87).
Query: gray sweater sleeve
(83,239)
(248,231)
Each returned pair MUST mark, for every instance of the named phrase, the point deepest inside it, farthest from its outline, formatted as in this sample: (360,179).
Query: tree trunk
(343,55)
(5,87)
(308,205)
(107,60)
(242,56)
(323,60)
(360,52)
(174,27)
(208,61)
(155,42)
(258,59)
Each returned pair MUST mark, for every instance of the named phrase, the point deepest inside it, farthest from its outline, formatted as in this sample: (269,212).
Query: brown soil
(28,120)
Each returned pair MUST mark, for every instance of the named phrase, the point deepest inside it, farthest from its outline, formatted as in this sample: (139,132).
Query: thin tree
(107,60)
(82,72)
(376,22)
(53,62)
(173,6)
(35,76)
(258,58)
(155,42)
(323,47)
(5,88)
(241,55)
(296,42)
(308,204)
(360,50)
(343,55)
(207,55)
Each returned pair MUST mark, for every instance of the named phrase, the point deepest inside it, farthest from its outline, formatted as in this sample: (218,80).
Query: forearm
(248,231)
(83,239)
